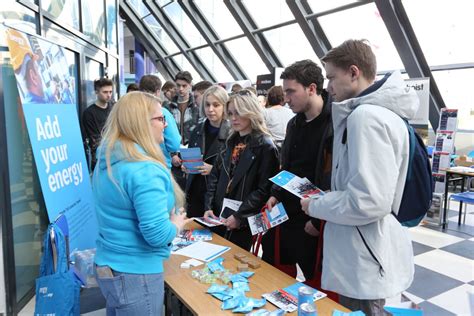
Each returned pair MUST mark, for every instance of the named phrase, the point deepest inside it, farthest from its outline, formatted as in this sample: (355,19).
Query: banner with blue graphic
(50,112)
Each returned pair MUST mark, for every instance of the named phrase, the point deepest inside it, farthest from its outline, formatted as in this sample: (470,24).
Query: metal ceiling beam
(165,21)
(258,40)
(148,40)
(311,28)
(403,36)
(211,37)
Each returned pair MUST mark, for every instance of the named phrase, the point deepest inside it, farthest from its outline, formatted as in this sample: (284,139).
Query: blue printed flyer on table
(301,187)
(192,159)
(287,298)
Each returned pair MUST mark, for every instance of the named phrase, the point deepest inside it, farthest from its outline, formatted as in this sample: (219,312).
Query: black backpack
(418,190)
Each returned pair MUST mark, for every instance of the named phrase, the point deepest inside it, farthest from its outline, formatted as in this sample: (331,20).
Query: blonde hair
(220,94)
(129,125)
(246,104)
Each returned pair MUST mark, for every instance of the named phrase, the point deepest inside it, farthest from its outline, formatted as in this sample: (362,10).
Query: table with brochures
(464,173)
(267,278)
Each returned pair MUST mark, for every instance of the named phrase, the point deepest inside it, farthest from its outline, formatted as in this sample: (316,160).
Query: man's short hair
(275,96)
(354,52)
(184,75)
(150,84)
(305,72)
(202,86)
(132,87)
(102,82)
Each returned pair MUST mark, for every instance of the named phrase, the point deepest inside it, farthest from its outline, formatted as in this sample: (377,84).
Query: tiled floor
(444,268)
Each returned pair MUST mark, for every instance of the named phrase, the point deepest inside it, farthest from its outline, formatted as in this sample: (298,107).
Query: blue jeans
(133,294)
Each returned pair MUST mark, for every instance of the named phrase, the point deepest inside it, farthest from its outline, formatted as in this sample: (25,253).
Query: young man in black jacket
(306,152)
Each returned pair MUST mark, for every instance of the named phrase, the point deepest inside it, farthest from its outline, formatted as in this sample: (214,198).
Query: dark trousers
(369,307)
(296,247)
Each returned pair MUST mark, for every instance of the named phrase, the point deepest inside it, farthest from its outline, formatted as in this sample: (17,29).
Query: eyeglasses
(161,119)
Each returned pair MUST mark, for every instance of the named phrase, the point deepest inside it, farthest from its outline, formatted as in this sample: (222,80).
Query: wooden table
(450,173)
(266,279)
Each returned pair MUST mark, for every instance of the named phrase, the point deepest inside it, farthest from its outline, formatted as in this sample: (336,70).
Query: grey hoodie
(367,253)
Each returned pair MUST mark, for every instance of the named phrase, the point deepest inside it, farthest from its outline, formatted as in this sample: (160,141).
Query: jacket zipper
(381,270)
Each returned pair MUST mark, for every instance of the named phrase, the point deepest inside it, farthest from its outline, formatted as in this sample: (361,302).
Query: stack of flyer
(301,187)
(192,159)
(287,298)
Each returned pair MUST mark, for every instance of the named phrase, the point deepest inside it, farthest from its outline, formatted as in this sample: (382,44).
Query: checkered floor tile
(444,266)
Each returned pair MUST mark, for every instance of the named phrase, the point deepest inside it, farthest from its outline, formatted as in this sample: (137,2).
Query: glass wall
(111,11)
(66,11)
(94,71)
(93,20)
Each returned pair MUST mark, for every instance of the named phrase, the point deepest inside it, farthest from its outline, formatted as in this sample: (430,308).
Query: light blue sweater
(135,231)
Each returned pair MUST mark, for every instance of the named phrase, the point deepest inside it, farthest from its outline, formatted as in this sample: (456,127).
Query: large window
(93,20)
(184,24)
(455,87)
(368,25)
(15,15)
(160,33)
(111,11)
(186,65)
(247,58)
(268,12)
(214,64)
(319,6)
(219,17)
(446,34)
(291,44)
(66,11)
(94,71)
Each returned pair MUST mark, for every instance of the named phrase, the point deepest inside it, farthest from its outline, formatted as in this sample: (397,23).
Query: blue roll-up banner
(46,89)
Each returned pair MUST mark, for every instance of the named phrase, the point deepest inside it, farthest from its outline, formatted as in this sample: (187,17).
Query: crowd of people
(144,195)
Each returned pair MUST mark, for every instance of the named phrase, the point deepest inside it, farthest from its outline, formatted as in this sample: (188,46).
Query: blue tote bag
(57,290)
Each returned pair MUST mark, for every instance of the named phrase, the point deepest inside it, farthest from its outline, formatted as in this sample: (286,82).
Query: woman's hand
(305,205)
(205,169)
(310,229)
(231,222)
(184,169)
(210,213)
(180,220)
(176,161)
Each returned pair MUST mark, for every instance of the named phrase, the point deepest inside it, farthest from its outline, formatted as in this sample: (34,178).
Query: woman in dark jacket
(242,169)
(210,136)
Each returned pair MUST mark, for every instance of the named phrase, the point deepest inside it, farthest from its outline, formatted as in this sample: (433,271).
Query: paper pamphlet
(209,221)
(444,141)
(192,159)
(229,207)
(301,187)
(263,221)
(448,120)
(441,161)
(287,298)
(202,250)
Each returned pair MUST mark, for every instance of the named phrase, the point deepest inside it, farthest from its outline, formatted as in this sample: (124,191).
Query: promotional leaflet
(229,207)
(444,141)
(192,159)
(448,120)
(287,298)
(441,161)
(208,221)
(301,187)
(267,219)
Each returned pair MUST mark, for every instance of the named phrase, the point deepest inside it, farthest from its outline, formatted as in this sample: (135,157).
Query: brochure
(229,207)
(198,234)
(301,187)
(209,221)
(444,141)
(263,221)
(287,298)
(192,159)
(441,161)
(448,120)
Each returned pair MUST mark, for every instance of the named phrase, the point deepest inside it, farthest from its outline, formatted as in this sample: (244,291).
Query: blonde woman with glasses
(242,169)
(138,207)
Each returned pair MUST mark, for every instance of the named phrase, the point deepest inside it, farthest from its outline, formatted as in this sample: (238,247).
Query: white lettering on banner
(48,129)
(54,155)
(66,176)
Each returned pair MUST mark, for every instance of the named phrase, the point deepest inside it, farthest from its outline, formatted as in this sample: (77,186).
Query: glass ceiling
(445,37)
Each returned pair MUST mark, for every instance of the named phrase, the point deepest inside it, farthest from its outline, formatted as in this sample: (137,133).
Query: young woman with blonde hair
(137,205)
(210,135)
(242,169)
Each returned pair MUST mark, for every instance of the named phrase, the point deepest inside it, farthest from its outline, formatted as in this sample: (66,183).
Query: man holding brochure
(368,255)
(306,152)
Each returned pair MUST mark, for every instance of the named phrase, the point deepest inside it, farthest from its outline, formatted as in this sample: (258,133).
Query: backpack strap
(412,139)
